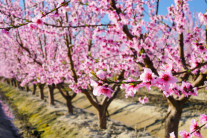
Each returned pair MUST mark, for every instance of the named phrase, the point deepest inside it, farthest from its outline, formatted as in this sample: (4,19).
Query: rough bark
(51,94)
(69,105)
(172,121)
(12,82)
(66,95)
(7,81)
(15,83)
(102,119)
(101,108)
(41,93)
(34,89)
(27,88)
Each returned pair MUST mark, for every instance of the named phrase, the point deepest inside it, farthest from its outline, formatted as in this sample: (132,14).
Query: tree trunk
(69,105)
(172,121)
(51,94)
(7,81)
(102,119)
(41,93)
(34,89)
(15,82)
(66,95)
(18,85)
(12,82)
(101,108)
(27,88)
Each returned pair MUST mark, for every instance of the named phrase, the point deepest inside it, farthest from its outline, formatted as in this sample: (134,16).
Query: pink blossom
(203,119)
(174,89)
(172,135)
(203,18)
(188,89)
(94,83)
(131,90)
(167,93)
(100,89)
(184,134)
(168,67)
(194,127)
(66,9)
(143,100)
(200,47)
(32,26)
(106,91)
(129,93)
(37,20)
(143,55)
(147,75)
(5,31)
(101,74)
(165,79)
(147,85)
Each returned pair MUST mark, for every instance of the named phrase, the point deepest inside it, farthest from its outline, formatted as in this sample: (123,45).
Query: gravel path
(6,128)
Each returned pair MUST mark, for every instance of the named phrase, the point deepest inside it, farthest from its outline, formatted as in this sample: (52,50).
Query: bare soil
(128,117)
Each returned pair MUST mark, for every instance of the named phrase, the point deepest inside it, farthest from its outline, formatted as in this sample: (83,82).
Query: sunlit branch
(198,128)
(157,8)
(79,26)
(189,70)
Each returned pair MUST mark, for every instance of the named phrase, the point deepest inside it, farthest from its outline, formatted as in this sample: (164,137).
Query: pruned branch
(157,7)
(181,50)
(190,70)
(79,26)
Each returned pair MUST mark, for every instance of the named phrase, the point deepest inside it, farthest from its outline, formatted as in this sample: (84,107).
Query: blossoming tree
(167,51)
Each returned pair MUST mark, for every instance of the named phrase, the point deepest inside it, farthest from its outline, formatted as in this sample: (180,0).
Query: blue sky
(195,6)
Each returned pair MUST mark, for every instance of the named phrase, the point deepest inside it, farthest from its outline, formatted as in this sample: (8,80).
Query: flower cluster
(194,128)
(165,81)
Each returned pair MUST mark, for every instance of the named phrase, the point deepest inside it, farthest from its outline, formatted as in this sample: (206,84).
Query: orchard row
(100,47)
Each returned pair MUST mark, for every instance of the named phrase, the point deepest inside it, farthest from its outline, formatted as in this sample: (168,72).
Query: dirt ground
(148,117)
(36,119)
(143,119)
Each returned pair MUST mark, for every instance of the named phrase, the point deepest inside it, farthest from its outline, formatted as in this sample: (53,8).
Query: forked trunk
(102,119)
(172,121)
(69,105)
(66,95)
(41,93)
(34,89)
(51,94)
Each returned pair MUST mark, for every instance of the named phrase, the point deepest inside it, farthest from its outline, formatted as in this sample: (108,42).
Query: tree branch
(181,50)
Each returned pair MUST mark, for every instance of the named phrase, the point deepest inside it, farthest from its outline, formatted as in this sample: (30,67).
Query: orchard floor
(143,118)
(148,117)
(34,118)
